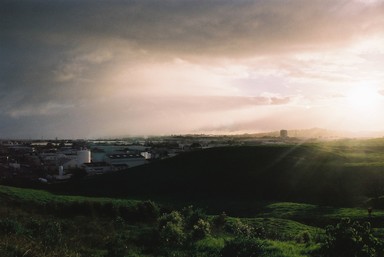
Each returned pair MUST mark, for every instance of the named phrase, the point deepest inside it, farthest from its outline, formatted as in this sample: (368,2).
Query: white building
(83,156)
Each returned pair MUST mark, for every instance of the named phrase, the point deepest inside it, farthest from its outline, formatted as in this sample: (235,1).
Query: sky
(92,69)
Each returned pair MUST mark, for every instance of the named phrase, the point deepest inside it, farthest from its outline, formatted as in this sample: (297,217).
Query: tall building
(283,133)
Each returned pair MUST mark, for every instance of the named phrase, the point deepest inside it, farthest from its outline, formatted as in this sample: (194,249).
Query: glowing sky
(85,69)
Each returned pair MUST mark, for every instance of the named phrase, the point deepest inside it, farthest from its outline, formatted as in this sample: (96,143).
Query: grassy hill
(36,223)
(278,201)
(327,174)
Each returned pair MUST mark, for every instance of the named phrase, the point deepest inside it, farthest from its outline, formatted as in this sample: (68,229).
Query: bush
(244,230)
(148,211)
(192,215)
(220,220)
(171,229)
(304,238)
(201,229)
(348,239)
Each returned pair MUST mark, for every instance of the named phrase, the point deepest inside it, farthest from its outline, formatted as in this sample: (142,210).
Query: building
(83,156)
(97,167)
(98,155)
(130,160)
(283,133)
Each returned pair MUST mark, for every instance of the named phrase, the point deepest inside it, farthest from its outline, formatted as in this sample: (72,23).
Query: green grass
(368,152)
(211,245)
(283,229)
(341,174)
(319,215)
(40,197)
(288,249)
(78,226)
(284,225)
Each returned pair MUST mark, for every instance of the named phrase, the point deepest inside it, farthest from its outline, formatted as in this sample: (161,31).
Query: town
(51,161)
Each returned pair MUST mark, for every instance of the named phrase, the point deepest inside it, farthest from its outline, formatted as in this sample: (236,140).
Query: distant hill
(268,173)
(323,133)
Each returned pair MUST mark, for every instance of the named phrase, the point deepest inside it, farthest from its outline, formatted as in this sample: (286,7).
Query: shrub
(304,238)
(192,215)
(171,229)
(148,211)
(220,220)
(240,229)
(201,229)
(348,239)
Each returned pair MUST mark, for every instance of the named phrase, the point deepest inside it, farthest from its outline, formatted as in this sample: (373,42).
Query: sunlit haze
(88,69)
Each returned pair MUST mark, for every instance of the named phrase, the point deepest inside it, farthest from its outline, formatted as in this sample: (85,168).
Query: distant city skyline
(91,69)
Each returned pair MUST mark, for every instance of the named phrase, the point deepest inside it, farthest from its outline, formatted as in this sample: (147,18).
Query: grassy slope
(86,234)
(318,174)
(35,223)
(18,195)
(274,215)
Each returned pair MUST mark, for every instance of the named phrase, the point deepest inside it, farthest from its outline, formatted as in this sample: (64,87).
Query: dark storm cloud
(190,26)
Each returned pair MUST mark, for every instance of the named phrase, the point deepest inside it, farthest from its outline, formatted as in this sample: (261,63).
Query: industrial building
(130,160)
(283,133)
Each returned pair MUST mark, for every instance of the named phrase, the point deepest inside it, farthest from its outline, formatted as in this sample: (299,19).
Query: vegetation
(350,239)
(113,227)
(341,173)
(271,201)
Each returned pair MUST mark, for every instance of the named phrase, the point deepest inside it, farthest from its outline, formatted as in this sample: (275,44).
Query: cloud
(212,103)
(194,27)
(66,62)
(76,65)
(44,109)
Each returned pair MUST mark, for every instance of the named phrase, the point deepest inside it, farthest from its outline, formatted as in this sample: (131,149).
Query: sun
(363,99)
(360,108)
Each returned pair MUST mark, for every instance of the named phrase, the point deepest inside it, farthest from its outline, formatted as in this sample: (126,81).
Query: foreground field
(38,223)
